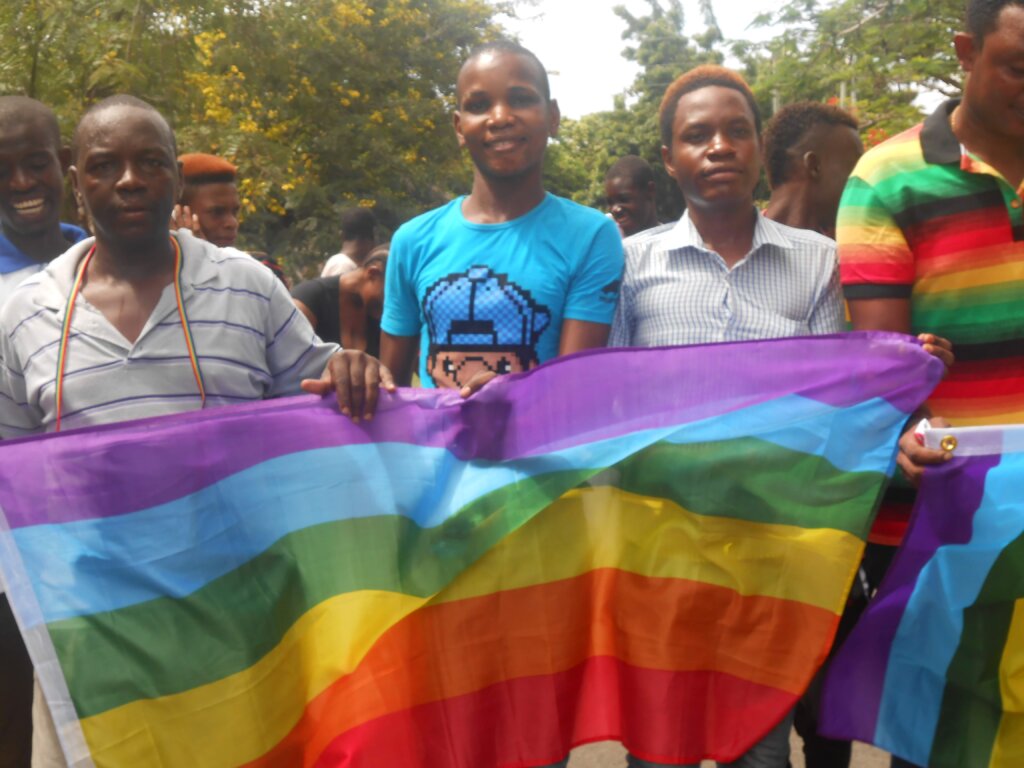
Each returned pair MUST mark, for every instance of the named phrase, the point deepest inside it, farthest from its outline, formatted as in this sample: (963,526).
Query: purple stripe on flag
(855,684)
(642,389)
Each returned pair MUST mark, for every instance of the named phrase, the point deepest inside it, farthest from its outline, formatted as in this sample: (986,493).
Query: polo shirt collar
(938,142)
(685,235)
(58,278)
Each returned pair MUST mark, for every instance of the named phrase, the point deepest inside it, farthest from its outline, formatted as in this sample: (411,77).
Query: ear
(457,124)
(812,165)
(666,156)
(375,271)
(73,175)
(554,117)
(963,43)
(64,157)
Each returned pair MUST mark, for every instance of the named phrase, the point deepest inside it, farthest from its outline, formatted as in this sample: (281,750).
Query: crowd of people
(155,312)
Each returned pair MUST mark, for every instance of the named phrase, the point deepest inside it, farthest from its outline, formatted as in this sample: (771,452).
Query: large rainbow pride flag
(934,670)
(645,545)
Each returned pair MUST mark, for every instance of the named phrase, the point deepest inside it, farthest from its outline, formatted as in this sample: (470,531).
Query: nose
(21,179)
(720,143)
(131,177)
(500,113)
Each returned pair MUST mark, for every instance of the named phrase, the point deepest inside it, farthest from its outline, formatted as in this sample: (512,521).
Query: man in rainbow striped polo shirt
(931,231)
(931,236)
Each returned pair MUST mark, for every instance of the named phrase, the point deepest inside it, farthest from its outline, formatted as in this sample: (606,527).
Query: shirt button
(1015,204)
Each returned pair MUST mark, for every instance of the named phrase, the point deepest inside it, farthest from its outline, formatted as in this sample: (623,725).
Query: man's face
(994,94)
(503,119)
(31,177)
(715,156)
(839,150)
(454,368)
(630,206)
(217,207)
(126,174)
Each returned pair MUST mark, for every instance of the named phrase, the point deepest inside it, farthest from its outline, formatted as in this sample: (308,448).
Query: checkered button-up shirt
(676,291)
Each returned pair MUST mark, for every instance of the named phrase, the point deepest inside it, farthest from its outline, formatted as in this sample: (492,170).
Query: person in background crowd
(809,151)
(357,240)
(33,161)
(346,309)
(209,200)
(631,195)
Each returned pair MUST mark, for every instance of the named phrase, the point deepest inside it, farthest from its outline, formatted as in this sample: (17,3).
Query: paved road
(612,755)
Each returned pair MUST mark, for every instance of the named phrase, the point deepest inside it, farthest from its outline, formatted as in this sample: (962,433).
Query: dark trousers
(15,693)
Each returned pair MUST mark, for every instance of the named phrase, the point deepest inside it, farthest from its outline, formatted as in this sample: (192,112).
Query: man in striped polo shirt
(144,338)
(139,322)
(931,231)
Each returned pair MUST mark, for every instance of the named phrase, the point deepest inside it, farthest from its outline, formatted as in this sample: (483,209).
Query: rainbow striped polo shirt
(923,219)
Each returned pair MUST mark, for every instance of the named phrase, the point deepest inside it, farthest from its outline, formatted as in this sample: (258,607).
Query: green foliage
(588,146)
(322,104)
(325,104)
(873,56)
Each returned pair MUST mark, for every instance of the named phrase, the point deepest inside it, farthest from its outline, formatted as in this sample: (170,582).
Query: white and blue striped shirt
(675,291)
(250,340)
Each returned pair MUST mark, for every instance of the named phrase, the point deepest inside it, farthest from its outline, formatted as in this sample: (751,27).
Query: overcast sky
(581,41)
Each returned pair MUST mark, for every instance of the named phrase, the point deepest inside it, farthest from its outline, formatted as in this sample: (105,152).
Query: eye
(503,366)
(523,99)
(449,367)
(476,106)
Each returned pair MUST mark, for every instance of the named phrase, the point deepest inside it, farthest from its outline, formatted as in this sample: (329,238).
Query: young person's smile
(31,179)
(504,120)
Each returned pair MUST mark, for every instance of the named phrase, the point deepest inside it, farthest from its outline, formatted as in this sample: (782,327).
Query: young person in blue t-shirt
(510,275)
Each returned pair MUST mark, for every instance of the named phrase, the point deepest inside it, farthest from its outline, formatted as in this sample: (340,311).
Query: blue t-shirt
(494,295)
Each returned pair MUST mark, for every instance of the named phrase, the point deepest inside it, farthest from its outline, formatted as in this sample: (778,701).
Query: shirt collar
(939,144)
(57,279)
(685,235)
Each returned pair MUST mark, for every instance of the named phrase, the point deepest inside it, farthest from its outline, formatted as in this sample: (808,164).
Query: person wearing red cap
(209,200)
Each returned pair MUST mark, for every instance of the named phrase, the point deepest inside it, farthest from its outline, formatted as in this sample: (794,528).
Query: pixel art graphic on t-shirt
(479,320)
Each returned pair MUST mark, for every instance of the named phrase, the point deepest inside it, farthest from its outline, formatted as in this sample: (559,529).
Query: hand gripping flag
(649,545)
(934,671)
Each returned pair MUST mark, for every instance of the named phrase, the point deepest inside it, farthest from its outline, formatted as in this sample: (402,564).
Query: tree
(874,56)
(588,146)
(322,104)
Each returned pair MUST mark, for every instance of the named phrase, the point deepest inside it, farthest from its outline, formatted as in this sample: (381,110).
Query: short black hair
(697,78)
(378,255)
(983,17)
(789,126)
(636,169)
(16,109)
(504,45)
(357,223)
(117,100)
